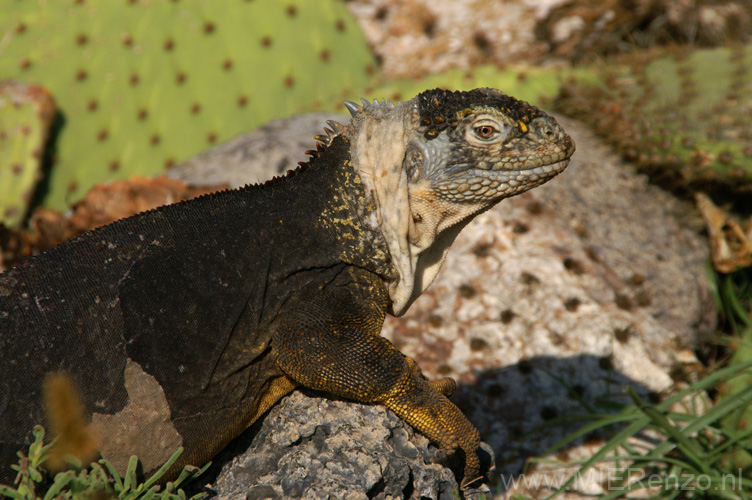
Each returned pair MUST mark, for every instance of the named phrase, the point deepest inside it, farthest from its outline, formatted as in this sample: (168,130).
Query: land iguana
(182,325)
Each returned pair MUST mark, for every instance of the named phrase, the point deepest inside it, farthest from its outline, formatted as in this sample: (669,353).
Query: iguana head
(434,162)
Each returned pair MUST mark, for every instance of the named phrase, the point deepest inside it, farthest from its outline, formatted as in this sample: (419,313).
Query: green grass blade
(706,382)
(685,444)
(732,440)
(603,421)
(712,415)
(732,300)
(655,417)
(190,472)
(611,445)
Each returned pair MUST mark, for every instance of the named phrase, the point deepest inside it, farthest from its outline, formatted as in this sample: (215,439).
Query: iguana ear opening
(413,163)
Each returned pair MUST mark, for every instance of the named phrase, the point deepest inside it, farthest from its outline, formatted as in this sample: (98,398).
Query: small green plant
(99,480)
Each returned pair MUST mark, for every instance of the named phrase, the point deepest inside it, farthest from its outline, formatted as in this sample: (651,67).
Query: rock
(416,38)
(650,239)
(422,37)
(270,150)
(103,204)
(313,447)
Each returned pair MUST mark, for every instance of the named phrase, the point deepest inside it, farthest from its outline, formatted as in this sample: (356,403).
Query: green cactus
(532,84)
(144,84)
(26,114)
(685,118)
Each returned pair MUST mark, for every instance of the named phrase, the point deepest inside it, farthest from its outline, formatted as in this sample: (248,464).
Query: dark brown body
(187,296)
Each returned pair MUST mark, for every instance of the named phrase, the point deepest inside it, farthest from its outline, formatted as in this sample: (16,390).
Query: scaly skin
(183,325)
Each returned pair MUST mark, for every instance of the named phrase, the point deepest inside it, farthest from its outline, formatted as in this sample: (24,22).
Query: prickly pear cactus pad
(26,114)
(144,84)
(685,118)
(533,84)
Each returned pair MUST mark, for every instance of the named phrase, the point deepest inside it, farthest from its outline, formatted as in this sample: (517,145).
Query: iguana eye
(485,131)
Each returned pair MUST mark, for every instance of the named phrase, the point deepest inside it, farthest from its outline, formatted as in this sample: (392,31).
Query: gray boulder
(311,447)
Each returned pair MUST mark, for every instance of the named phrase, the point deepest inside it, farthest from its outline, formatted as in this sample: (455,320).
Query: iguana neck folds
(418,227)
(379,135)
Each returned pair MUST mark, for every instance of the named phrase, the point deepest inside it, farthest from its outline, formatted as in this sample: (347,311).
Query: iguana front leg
(329,340)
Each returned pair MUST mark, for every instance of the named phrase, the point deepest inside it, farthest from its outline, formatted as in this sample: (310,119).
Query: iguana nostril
(545,127)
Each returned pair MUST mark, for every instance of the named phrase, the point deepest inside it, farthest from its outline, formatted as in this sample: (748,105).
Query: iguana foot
(424,406)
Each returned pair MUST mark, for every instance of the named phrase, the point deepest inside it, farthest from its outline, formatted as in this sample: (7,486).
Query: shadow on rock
(515,407)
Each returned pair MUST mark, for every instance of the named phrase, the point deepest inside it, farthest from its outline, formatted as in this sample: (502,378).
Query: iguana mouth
(542,171)
(553,158)
(500,183)
(540,174)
